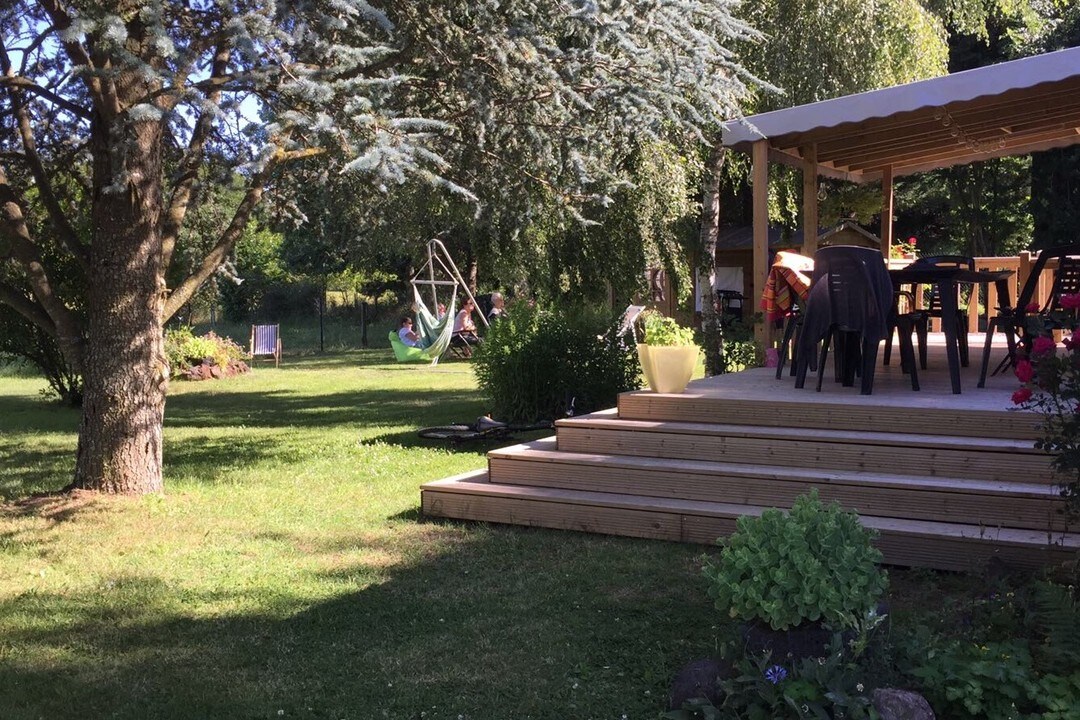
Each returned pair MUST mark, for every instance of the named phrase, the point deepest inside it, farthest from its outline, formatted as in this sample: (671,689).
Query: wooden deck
(948,481)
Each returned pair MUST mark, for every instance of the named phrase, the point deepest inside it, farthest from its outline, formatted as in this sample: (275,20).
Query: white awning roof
(1010,108)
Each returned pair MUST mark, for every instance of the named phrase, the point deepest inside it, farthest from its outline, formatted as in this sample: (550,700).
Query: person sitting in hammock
(407,334)
(465,328)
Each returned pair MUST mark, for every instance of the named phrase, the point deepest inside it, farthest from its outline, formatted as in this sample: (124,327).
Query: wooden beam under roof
(950,144)
(1015,144)
(980,122)
(917,166)
(795,161)
(904,120)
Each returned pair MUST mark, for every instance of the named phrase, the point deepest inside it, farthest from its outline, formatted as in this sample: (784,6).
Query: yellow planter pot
(667,368)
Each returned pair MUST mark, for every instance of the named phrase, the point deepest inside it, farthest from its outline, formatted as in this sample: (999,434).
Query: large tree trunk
(125,371)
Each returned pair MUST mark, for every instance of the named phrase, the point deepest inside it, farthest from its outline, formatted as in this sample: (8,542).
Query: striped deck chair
(266,340)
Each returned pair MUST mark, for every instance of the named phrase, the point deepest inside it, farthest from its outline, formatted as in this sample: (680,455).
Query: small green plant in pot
(794,578)
(667,352)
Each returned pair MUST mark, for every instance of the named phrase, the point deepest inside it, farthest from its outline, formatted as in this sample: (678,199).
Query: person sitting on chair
(498,307)
(406,333)
(465,328)
(441,312)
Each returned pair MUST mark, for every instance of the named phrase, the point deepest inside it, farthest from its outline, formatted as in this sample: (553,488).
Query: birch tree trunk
(709,232)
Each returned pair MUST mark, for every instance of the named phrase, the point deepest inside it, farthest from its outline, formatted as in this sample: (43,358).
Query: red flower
(911,241)
(1024,371)
(1021,396)
(1032,307)
(1043,346)
(1070,302)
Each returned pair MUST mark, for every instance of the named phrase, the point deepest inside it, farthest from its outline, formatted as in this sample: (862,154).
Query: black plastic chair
(790,342)
(905,320)
(964,262)
(1013,321)
(850,302)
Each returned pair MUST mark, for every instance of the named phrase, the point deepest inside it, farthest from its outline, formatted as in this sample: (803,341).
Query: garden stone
(896,704)
(698,679)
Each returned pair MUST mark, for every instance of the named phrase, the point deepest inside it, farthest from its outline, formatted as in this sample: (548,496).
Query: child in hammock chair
(408,335)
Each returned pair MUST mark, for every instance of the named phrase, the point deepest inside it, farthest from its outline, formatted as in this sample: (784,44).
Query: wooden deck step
(824,412)
(946,546)
(871,451)
(995,504)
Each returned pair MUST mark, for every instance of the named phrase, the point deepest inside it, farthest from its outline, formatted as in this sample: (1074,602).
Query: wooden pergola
(1012,108)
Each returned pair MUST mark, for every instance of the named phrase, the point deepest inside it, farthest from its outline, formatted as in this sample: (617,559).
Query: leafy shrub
(995,680)
(660,330)
(814,563)
(183,349)
(21,340)
(533,361)
(1016,656)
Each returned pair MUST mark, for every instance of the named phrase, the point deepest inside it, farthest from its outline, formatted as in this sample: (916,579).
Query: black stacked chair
(1014,321)
(790,341)
(850,302)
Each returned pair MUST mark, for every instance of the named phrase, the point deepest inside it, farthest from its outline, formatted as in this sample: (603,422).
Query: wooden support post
(886,210)
(1023,272)
(763,334)
(810,199)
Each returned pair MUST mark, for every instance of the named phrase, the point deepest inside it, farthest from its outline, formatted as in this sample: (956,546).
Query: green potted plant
(668,353)
(795,578)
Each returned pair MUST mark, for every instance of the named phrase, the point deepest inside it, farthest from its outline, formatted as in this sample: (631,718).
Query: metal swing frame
(438,255)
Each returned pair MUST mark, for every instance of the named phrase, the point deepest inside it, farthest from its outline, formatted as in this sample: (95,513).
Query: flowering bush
(903,249)
(834,685)
(1050,384)
(185,349)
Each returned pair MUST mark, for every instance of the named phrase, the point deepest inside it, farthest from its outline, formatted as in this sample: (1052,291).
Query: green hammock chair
(434,334)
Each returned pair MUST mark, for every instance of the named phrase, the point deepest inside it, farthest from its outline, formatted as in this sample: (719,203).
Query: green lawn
(286,571)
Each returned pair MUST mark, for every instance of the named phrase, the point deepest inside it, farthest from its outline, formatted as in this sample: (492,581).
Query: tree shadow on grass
(26,472)
(477,623)
(354,407)
(22,414)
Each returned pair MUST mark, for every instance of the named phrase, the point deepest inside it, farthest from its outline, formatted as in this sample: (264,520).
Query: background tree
(143,103)
(814,50)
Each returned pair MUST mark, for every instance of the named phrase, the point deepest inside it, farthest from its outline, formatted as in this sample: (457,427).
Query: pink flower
(911,241)
(1032,307)
(1024,371)
(1072,342)
(1021,396)
(1070,302)
(1043,346)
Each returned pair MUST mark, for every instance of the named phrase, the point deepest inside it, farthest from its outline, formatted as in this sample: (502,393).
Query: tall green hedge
(534,361)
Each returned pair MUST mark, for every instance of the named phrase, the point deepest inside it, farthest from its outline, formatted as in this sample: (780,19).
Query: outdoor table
(946,279)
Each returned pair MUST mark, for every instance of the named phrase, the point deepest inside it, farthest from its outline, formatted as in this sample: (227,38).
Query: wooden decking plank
(787,433)
(544,451)
(807,453)
(919,528)
(721,485)
(767,411)
(898,547)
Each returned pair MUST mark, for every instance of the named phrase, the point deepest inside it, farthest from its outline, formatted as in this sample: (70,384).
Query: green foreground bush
(813,563)
(534,361)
